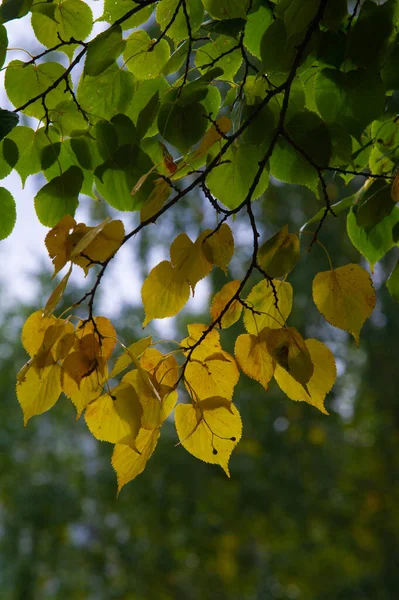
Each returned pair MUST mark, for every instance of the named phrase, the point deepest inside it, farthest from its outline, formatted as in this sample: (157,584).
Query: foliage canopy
(178,96)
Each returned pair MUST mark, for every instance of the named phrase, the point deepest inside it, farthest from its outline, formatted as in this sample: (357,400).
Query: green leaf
(374,243)
(8,213)
(24,82)
(178,31)
(311,134)
(393,283)
(9,155)
(119,85)
(297,14)
(390,71)
(229,182)
(3,44)
(28,155)
(334,13)
(176,60)
(226,9)
(148,115)
(376,204)
(143,93)
(287,165)
(230,63)
(353,99)
(368,38)
(276,49)
(256,25)
(116,178)
(144,57)
(72,18)
(59,197)
(68,119)
(338,208)
(14,9)
(8,120)
(182,127)
(114,10)
(103,51)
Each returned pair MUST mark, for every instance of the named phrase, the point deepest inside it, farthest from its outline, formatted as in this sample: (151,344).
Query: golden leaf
(136,349)
(56,242)
(320,383)
(155,408)
(128,463)
(213,375)
(115,417)
(219,302)
(254,359)
(34,329)
(345,297)
(39,391)
(264,312)
(209,430)
(99,244)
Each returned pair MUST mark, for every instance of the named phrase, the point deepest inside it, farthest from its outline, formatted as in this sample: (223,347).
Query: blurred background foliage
(310,511)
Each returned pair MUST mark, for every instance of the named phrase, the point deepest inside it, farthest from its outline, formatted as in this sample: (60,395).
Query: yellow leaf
(164,369)
(34,329)
(56,295)
(104,327)
(48,352)
(287,347)
(164,292)
(136,349)
(56,242)
(254,359)
(213,375)
(115,417)
(220,300)
(188,258)
(279,254)
(212,136)
(89,237)
(155,200)
(345,297)
(264,312)
(210,345)
(90,388)
(209,430)
(101,246)
(155,409)
(38,392)
(127,463)
(219,247)
(321,382)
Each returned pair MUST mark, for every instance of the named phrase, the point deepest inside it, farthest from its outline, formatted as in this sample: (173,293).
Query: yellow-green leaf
(279,254)
(209,430)
(164,292)
(220,301)
(345,297)
(219,247)
(321,382)
(288,349)
(262,301)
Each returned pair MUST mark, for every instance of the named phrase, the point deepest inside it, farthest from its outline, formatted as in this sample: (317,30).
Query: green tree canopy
(200,103)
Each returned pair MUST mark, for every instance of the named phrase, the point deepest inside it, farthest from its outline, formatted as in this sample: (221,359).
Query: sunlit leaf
(345,297)
(209,430)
